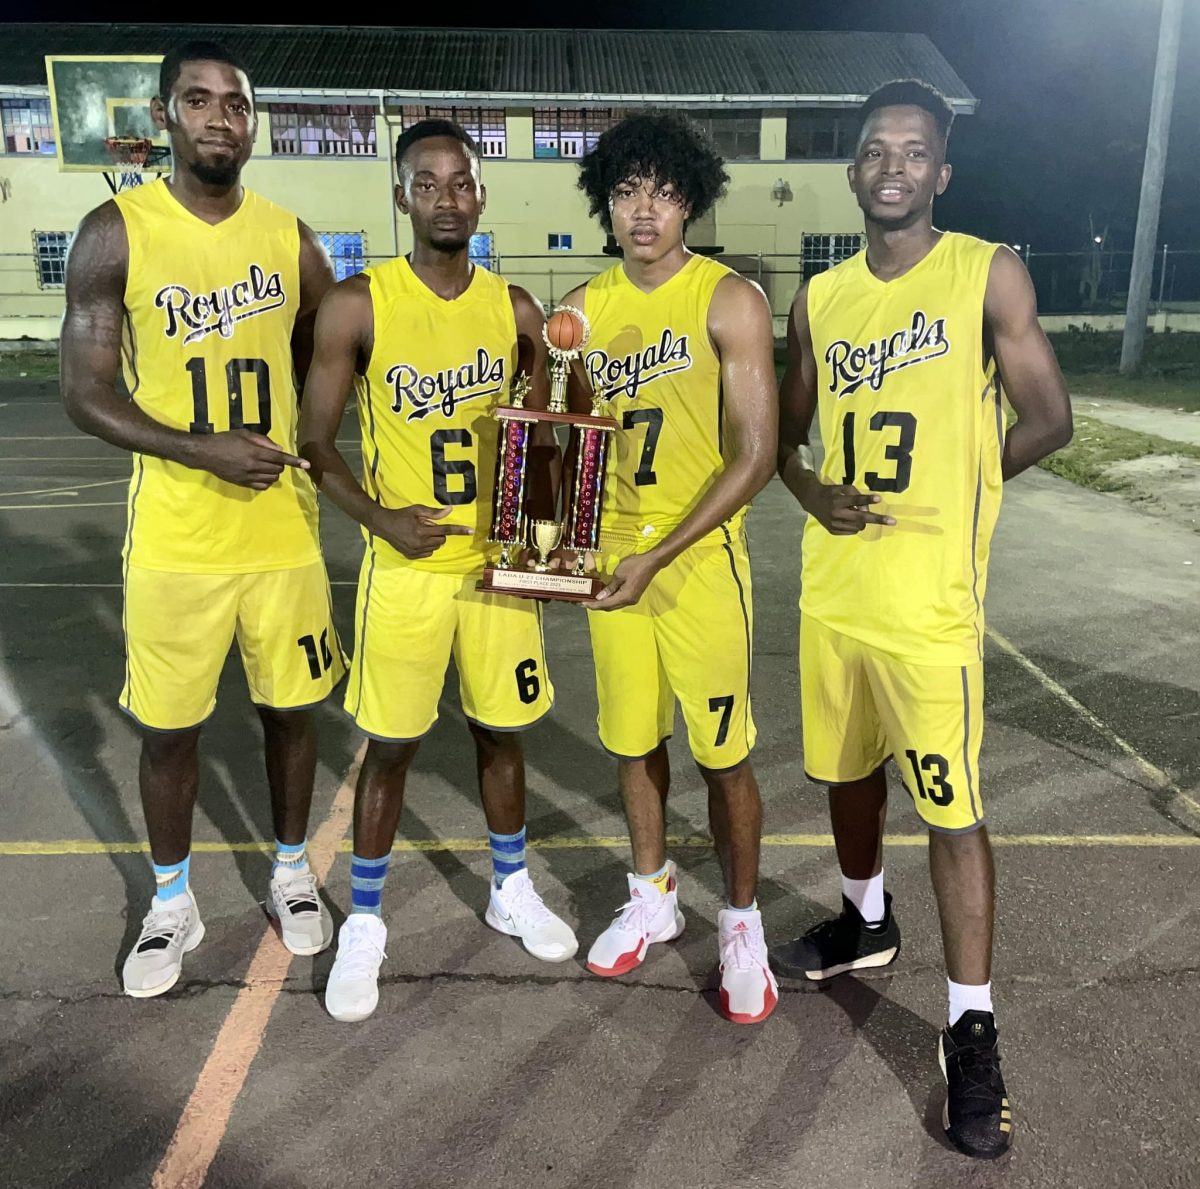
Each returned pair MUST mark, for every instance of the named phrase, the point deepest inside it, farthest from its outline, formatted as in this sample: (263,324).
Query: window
(27,126)
(571,131)
(819,252)
(479,249)
(558,241)
(737,134)
(485,125)
(322,129)
(50,257)
(347,250)
(817,135)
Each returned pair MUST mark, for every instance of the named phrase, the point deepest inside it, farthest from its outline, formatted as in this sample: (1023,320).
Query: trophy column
(566,333)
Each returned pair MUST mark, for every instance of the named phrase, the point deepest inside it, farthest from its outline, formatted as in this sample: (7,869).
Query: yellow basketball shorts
(179,628)
(687,638)
(409,622)
(861,706)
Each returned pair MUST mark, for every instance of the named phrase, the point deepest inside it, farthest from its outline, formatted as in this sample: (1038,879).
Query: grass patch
(1162,392)
(28,365)
(1097,445)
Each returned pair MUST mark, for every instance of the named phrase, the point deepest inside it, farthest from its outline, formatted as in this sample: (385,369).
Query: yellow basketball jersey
(909,408)
(438,368)
(651,355)
(210,312)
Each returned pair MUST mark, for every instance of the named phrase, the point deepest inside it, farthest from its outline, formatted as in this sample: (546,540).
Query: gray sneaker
(156,959)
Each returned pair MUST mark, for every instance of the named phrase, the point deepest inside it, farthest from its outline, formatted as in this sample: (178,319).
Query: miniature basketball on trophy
(577,529)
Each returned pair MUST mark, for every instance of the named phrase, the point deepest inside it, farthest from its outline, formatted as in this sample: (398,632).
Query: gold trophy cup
(578,530)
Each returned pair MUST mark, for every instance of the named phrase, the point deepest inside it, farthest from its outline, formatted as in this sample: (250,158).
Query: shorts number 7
(725,707)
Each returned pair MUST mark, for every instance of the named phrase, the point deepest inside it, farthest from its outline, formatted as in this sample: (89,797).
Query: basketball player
(431,342)
(210,292)
(903,351)
(682,347)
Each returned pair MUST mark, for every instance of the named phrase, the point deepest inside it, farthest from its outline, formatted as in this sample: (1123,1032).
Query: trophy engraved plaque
(577,529)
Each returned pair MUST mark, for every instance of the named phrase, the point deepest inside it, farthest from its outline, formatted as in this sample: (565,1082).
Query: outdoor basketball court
(484,1067)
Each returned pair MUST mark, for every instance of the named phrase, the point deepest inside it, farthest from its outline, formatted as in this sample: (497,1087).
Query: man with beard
(215,291)
(901,351)
(432,343)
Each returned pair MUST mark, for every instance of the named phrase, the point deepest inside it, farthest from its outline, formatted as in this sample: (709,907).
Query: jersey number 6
(444,467)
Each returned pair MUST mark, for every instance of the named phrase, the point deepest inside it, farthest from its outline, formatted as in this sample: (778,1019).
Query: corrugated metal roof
(566,64)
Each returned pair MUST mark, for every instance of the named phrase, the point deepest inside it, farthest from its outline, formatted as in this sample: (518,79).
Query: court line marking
(87,846)
(1151,771)
(59,507)
(205,1117)
(66,489)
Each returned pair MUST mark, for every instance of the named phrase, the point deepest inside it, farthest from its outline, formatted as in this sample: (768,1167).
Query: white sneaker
(749,991)
(515,908)
(647,917)
(352,992)
(156,959)
(304,922)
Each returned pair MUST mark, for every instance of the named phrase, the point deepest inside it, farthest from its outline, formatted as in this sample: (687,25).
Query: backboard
(93,98)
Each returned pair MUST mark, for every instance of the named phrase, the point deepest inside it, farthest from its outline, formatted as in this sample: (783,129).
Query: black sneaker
(837,945)
(977,1116)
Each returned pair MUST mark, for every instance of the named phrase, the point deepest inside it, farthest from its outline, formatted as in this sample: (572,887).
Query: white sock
(867,896)
(743,911)
(964,997)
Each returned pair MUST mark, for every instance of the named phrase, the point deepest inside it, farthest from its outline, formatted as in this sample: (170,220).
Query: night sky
(1064,89)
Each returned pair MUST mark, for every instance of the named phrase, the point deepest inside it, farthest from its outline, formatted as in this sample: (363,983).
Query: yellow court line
(1151,771)
(205,1117)
(88,846)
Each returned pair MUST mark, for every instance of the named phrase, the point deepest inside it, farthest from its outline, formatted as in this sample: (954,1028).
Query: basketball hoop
(131,155)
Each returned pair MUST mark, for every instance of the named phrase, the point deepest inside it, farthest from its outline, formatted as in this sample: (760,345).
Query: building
(780,106)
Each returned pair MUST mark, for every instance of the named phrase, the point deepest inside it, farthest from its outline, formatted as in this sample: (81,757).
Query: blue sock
(508,854)
(171,878)
(366,883)
(291,856)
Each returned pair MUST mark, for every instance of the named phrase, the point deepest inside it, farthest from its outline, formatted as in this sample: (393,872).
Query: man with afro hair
(682,348)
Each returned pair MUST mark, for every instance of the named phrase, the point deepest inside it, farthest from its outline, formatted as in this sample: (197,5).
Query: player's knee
(284,721)
(728,779)
(389,759)
(493,742)
(163,748)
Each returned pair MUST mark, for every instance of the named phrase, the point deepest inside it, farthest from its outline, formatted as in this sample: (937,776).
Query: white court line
(1154,773)
(68,489)
(60,507)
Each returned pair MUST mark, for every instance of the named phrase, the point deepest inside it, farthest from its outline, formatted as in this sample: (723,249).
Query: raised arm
(841,508)
(1028,370)
(316,279)
(90,358)
(342,344)
(739,323)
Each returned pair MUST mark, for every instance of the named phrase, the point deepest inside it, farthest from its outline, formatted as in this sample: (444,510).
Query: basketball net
(128,155)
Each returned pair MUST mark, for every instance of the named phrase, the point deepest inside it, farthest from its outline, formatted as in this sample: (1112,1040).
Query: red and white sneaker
(749,991)
(647,917)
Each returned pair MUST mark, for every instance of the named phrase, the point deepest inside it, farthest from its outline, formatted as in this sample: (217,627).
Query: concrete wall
(527,200)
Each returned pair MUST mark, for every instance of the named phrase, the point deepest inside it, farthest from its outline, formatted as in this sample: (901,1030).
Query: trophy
(578,530)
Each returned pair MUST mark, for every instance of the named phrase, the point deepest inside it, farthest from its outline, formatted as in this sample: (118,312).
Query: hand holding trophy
(578,529)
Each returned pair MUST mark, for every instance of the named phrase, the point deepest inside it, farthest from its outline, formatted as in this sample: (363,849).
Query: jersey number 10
(235,370)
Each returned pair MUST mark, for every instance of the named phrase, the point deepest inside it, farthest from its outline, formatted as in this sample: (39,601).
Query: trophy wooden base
(547,584)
